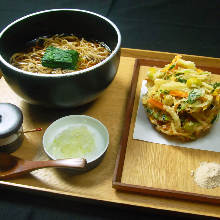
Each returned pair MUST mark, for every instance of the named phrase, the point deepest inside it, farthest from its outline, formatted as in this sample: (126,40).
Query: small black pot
(66,90)
(11,130)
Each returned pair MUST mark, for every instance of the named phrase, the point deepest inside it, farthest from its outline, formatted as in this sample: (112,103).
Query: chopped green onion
(215,85)
(172,66)
(181,80)
(194,95)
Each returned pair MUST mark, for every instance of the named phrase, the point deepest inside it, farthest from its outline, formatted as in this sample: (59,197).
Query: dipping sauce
(78,141)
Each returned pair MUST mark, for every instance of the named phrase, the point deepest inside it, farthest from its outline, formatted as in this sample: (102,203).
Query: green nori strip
(58,58)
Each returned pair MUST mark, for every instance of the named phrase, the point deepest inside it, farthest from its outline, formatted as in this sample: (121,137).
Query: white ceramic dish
(98,131)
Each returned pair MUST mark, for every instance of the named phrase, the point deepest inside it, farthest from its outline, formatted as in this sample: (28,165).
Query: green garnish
(160,116)
(194,95)
(171,67)
(156,115)
(165,92)
(167,77)
(216,117)
(178,74)
(181,107)
(58,58)
(181,80)
(215,85)
(165,118)
(149,111)
(189,126)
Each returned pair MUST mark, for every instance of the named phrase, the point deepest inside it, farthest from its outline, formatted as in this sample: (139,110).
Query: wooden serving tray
(110,108)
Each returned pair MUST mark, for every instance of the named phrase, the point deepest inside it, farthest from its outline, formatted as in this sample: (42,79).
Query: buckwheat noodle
(90,54)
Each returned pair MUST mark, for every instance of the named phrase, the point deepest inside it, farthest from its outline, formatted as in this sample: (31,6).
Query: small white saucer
(95,127)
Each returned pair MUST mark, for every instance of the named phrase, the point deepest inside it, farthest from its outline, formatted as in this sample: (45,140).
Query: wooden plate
(155,169)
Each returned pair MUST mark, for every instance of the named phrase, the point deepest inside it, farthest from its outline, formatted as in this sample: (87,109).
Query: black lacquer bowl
(56,90)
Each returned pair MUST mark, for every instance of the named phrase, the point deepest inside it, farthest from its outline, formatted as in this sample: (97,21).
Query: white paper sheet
(144,131)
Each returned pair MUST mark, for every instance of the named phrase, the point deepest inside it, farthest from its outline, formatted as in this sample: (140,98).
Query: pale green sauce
(73,142)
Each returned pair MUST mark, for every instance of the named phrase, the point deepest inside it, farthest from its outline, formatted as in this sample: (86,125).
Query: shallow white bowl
(95,127)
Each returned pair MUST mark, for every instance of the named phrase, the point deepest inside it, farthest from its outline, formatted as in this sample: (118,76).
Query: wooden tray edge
(127,119)
(141,54)
(166,193)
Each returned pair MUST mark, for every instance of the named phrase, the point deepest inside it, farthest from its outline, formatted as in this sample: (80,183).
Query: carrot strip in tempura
(155,103)
(178,93)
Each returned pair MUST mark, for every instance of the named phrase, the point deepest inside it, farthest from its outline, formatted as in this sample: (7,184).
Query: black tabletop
(188,27)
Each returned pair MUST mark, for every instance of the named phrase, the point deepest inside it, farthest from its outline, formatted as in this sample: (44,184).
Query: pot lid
(11,119)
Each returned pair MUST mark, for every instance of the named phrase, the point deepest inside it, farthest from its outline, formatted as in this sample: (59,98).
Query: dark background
(189,27)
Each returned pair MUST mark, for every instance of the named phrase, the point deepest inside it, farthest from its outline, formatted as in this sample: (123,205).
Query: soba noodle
(90,53)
